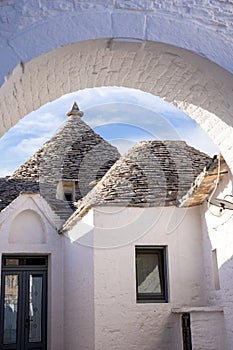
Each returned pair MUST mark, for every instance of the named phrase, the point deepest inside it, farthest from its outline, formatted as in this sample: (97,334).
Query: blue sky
(120,115)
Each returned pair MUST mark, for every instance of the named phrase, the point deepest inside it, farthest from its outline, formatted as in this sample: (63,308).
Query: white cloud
(38,123)
(137,116)
(27,147)
(197,138)
(122,145)
(14,156)
(6,171)
(89,98)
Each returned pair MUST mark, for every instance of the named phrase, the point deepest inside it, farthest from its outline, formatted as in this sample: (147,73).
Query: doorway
(186,330)
(23,313)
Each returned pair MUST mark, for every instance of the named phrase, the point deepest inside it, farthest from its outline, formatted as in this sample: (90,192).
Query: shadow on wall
(226,287)
(171,337)
(79,307)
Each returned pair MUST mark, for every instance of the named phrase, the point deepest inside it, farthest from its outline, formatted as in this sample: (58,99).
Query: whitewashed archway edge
(29,30)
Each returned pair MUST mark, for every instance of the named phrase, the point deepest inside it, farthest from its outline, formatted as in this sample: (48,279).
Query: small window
(66,191)
(68,197)
(10,261)
(151,275)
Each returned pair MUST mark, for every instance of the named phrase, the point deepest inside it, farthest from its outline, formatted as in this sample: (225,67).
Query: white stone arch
(197,86)
(29,29)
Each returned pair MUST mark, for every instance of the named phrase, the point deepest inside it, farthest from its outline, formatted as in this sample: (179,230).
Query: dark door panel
(23,304)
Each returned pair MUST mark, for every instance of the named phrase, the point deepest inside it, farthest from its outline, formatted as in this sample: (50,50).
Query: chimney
(75,111)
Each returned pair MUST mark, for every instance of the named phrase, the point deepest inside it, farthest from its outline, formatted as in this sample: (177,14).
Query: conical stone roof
(152,173)
(76,153)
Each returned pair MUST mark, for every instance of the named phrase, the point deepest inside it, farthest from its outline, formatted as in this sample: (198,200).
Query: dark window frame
(161,252)
(27,265)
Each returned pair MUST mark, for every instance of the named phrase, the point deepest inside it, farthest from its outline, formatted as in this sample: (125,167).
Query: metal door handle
(27,321)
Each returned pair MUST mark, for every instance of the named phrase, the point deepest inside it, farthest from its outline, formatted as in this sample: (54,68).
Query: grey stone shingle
(152,173)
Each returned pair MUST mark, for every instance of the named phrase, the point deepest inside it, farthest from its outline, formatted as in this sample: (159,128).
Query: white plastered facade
(110,235)
(27,226)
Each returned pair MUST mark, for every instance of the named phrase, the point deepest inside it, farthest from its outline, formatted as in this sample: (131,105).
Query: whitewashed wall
(79,298)
(217,231)
(94,304)
(37,236)
(118,321)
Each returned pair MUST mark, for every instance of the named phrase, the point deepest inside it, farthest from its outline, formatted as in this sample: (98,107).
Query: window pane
(148,273)
(22,261)
(10,309)
(35,308)
(11,262)
(34,261)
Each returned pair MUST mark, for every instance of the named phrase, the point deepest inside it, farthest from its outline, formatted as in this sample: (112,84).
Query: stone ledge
(191,309)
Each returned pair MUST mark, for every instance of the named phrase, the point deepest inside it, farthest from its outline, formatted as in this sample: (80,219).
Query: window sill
(152,302)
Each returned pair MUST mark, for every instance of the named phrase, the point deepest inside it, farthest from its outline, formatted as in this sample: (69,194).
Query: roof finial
(75,111)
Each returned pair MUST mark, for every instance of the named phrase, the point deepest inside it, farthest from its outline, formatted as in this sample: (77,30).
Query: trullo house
(102,251)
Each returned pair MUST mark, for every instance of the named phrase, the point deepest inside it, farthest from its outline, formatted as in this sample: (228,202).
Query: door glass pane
(35,261)
(11,262)
(148,273)
(10,309)
(35,308)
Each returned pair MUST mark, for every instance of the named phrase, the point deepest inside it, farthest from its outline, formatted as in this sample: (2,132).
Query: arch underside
(197,86)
